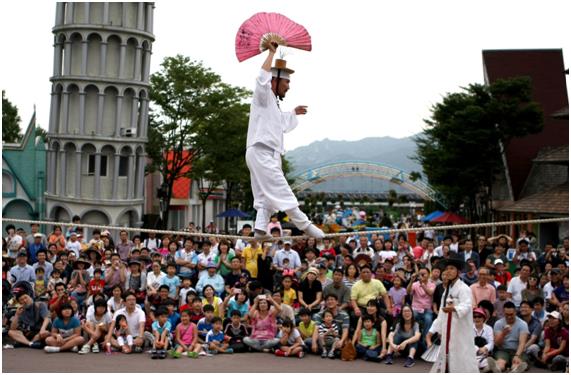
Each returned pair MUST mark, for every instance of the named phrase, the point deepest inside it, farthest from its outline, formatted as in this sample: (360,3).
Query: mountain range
(396,152)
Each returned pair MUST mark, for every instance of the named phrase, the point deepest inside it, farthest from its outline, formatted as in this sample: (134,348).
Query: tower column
(54,109)
(69,12)
(138,63)
(82,95)
(99,123)
(140,15)
(130,176)
(67,58)
(57,58)
(144,115)
(84,46)
(122,54)
(50,176)
(118,115)
(116,159)
(105,13)
(86,7)
(149,27)
(78,173)
(134,108)
(140,175)
(59,13)
(98,175)
(62,173)
(103,58)
(146,68)
(65,112)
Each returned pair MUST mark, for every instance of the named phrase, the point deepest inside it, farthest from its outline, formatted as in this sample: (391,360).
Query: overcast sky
(375,70)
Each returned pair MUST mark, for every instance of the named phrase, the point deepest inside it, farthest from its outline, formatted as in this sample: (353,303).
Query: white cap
(554,314)
(498,261)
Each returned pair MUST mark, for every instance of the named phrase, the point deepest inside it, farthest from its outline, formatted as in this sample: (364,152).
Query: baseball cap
(554,314)
(498,261)
(36,235)
(287,242)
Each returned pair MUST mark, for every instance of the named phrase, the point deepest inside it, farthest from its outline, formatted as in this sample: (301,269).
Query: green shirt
(368,338)
(306,331)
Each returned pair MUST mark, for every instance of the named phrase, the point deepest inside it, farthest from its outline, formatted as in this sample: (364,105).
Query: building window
(123,166)
(91,165)
(7,183)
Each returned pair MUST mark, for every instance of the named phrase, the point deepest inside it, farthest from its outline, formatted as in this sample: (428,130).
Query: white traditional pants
(270,188)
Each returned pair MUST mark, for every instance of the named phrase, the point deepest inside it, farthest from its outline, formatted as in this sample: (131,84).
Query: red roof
(546,70)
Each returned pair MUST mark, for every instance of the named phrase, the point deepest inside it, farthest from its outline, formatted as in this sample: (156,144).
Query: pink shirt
(263,329)
(420,299)
(480,293)
(186,333)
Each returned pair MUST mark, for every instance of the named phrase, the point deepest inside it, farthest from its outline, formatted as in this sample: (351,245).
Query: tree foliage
(194,120)
(460,148)
(11,132)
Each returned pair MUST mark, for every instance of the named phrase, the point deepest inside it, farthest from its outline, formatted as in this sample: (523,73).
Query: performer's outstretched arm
(271,52)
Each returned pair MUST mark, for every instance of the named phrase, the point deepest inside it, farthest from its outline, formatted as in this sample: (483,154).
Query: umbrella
(233,213)
(449,217)
(432,215)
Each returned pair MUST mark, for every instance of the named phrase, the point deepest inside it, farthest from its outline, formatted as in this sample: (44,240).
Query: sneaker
(519,368)
(8,346)
(279,353)
(409,362)
(95,348)
(229,351)
(36,345)
(493,366)
(174,354)
(138,349)
(203,354)
(301,354)
(162,354)
(52,349)
(75,349)
(154,354)
(85,349)
(389,360)
(324,354)
(331,354)
(313,231)
(192,354)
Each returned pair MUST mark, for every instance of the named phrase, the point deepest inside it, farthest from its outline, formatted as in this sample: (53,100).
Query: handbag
(348,352)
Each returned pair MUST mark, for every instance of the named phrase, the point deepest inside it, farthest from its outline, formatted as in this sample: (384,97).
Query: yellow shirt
(289,296)
(364,292)
(216,303)
(251,259)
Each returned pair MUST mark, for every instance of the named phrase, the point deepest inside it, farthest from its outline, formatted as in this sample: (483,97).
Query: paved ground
(30,360)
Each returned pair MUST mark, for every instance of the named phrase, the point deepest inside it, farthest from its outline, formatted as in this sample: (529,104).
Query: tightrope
(327,235)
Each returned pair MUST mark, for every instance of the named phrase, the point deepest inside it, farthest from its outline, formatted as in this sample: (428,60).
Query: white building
(99,112)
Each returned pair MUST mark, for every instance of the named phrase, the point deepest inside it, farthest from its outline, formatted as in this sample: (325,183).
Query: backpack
(348,352)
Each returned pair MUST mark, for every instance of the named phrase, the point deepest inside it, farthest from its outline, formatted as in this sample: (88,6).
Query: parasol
(258,31)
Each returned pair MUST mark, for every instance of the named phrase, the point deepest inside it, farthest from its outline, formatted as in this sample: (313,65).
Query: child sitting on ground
(122,335)
(161,331)
(66,331)
(368,340)
(328,335)
(172,315)
(54,279)
(40,283)
(215,340)
(308,330)
(196,312)
(236,331)
(205,324)
(290,344)
(186,337)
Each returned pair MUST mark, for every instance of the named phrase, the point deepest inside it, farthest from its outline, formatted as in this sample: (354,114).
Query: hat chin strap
(280,97)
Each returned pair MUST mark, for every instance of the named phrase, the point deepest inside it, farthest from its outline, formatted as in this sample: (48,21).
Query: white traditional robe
(265,145)
(461,357)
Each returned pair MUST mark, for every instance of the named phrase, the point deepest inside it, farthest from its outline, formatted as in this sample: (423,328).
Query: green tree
(11,131)
(188,101)
(460,148)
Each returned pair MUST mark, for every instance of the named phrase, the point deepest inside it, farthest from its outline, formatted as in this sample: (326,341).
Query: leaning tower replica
(99,112)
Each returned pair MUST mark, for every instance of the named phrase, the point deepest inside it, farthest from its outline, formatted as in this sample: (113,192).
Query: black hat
(134,261)
(81,260)
(456,260)
(92,250)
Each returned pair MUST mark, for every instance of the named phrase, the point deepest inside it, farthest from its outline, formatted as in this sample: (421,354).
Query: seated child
(53,280)
(196,312)
(368,340)
(290,294)
(122,335)
(186,337)
(236,331)
(173,316)
(308,330)
(185,289)
(215,340)
(328,334)
(66,331)
(291,343)
(205,324)
(161,331)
